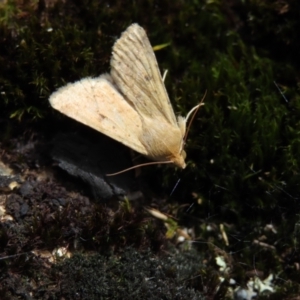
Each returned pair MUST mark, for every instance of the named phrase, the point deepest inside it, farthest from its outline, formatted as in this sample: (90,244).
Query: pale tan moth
(130,104)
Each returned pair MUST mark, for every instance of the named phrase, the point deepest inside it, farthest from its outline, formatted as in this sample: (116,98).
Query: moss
(136,275)
(243,147)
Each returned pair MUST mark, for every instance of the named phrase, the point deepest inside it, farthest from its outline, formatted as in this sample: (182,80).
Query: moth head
(179,159)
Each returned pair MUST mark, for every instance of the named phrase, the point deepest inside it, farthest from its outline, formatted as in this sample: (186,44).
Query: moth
(131,104)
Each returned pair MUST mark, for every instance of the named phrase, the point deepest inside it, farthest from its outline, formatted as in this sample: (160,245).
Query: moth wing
(96,103)
(135,71)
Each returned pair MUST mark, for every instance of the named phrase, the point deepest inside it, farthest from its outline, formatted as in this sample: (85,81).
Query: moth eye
(183,154)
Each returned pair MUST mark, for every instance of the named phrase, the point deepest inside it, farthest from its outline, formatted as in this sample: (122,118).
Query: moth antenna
(14,255)
(165,75)
(193,111)
(141,165)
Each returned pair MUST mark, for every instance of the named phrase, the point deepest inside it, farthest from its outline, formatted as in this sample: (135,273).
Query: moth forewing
(135,70)
(96,103)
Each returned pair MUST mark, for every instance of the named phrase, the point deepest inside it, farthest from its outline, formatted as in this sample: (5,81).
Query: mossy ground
(243,147)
